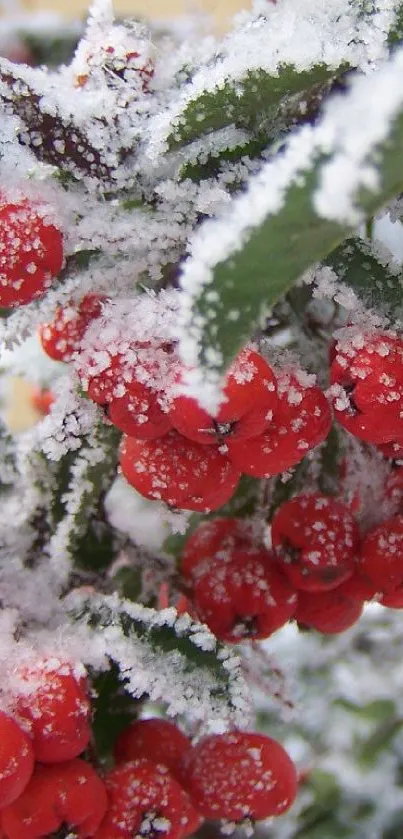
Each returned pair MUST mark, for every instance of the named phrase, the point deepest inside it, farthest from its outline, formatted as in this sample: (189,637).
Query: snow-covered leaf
(170,658)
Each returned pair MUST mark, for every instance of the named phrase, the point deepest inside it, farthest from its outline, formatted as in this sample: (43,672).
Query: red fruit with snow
(158,740)
(315,540)
(145,800)
(132,385)
(55,704)
(240,775)
(16,760)
(138,413)
(211,537)
(250,398)
(366,375)
(101,376)
(31,252)
(301,421)
(61,338)
(178,471)
(237,590)
(381,555)
(329,612)
(67,794)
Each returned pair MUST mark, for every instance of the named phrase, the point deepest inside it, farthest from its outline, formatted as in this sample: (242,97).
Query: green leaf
(368,751)
(395,36)
(260,102)
(376,711)
(79,482)
(113,710)
(224,303)
(357,266)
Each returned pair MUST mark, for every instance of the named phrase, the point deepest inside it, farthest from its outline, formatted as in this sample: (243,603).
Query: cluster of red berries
(366,375)
(174,450)
(265,425)
(43,782)
(31,252)
(163,783)
(319,570)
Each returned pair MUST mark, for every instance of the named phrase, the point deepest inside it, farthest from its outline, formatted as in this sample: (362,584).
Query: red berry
(42,400)
(31,253)
(160,741)
(237,589)
(250,400)
(206,540)
(393,600)
(132,384)
(358,587)
(56,705)
(381,555)
(16,760)
(138,413)
(101,376)
(244,596)
(62,337)
(69,793)
(240,775)
(367,379)
(329,612)
(315,540)
(301,421)
(144,799)
(178,471)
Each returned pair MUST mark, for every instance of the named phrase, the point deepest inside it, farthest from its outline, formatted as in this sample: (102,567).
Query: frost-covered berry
(381,555)
(31,252)
(138,413)
(131,385)
(16,760)
(240,775)
(67,794)
(315,539)
(145,800)
(329,612)
(211,536)
(158,740)
(236,588)
(366,375)
(250,398)
(62,337)
(54,703)
(301,421)
(101,375)
(178,471)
